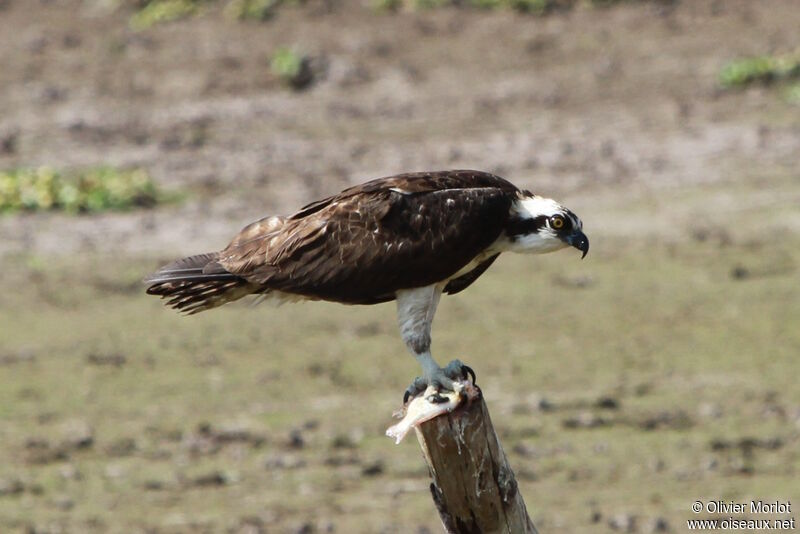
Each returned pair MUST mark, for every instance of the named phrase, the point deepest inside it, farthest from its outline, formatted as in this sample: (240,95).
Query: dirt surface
(672,382)
(596,106)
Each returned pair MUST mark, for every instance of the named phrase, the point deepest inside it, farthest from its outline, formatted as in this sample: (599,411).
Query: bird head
(538,225)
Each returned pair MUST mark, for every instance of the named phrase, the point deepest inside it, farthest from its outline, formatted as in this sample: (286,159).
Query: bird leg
(415,311)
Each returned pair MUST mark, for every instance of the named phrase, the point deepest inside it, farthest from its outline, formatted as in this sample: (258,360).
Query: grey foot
(442,378)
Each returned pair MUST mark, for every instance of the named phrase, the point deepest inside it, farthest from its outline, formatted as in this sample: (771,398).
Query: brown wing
(247,250)
(416,182)
(369,241)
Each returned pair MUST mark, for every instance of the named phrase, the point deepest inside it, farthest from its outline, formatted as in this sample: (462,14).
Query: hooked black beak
(579,240)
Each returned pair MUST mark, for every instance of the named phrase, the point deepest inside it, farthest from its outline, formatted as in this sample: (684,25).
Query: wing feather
(370,240)
(461,283)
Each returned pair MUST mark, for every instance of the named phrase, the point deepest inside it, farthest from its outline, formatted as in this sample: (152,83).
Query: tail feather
(192,265)
(197,283)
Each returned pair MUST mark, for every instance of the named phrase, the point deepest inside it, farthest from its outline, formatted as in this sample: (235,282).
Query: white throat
(537,243)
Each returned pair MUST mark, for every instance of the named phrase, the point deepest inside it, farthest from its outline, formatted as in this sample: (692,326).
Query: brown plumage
(357,247)
(408,238)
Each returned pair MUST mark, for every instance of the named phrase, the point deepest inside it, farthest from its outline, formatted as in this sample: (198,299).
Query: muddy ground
(659,371)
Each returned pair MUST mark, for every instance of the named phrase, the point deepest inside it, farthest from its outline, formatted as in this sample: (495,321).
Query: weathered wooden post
(473,486)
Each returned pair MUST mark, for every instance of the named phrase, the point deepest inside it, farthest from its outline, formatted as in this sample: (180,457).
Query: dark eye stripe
(573,219)
(519,226)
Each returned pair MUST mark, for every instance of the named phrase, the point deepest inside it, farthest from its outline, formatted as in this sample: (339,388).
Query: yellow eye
(557,222)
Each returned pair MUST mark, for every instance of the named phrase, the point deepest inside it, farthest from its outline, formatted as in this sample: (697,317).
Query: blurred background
(660,370)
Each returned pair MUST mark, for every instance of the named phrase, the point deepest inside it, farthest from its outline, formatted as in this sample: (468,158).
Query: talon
(456,370)
(415,388)
(441,379)
(468,373)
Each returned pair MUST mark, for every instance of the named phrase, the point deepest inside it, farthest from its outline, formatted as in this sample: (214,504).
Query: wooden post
(473,486)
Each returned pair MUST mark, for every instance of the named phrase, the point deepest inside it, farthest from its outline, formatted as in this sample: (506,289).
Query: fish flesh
(425,407)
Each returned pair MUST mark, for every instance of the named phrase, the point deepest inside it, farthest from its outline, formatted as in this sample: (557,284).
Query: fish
(432,403)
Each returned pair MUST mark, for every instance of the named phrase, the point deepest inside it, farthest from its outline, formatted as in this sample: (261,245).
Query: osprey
(409,238)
